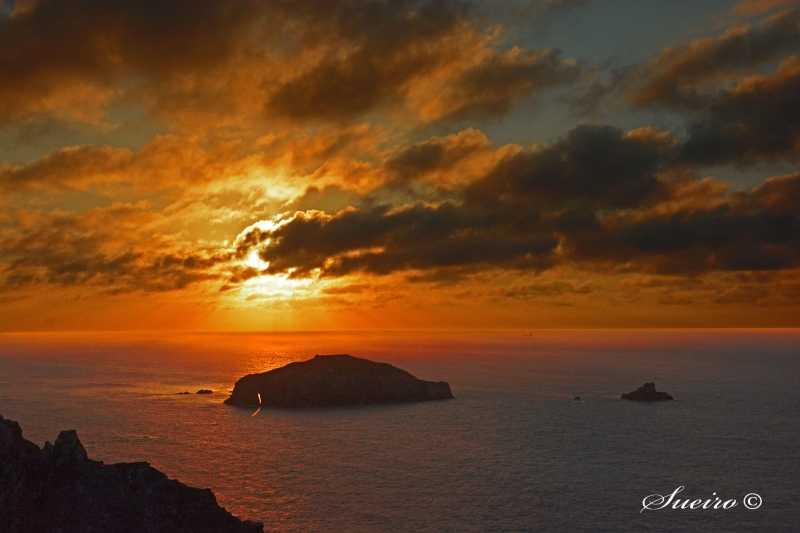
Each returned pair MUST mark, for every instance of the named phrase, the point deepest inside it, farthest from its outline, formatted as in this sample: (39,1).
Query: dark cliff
(58,489)
(332,380)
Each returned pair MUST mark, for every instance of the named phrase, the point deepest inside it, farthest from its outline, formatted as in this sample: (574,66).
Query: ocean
(512,452)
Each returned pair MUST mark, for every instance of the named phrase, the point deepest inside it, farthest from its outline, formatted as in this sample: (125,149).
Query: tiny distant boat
(527,334)
(578,399)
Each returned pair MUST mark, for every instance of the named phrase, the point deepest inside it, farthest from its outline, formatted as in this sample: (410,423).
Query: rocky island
(58,489)
(334,380)
(647,393)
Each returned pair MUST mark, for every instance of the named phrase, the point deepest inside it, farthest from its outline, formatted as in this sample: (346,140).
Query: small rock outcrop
(647,393)
(205,391)
(58,489)
(333,380)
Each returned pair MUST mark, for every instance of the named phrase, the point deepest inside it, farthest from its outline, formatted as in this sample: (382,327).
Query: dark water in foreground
(512,452)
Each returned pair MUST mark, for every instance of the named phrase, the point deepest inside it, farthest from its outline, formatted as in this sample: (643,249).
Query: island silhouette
(647,393)
(334,380)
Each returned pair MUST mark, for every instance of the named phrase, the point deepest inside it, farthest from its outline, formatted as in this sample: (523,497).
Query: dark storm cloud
(386,47)
(512,218)
(757,229)
(389,48)
(299,60)
(381,240)
(413,163)
(757,120)
(46,45)
(492,87)
(678,76)
(595,165)
(731,117)
(691,78)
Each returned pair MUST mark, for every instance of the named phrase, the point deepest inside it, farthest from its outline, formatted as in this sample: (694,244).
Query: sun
(272,287)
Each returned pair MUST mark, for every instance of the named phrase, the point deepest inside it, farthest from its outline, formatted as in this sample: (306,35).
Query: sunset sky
(309,164)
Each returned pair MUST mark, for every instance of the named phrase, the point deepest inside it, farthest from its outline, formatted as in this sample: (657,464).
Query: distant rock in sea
(332,380)
(184,392)
(647,393)
(205,391)
(58,489)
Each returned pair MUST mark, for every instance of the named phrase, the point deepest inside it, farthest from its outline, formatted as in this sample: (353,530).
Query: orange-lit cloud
(75,59)
(114,249)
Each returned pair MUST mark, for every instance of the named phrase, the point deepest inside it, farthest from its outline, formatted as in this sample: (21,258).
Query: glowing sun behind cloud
(263,286)
(269,287)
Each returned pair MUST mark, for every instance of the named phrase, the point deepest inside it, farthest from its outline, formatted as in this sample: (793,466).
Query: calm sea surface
(512,452)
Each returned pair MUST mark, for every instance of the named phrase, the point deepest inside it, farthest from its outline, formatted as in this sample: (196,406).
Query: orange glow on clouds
(287,166)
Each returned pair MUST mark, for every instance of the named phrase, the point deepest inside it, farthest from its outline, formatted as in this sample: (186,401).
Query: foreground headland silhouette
(334,380)
(58,489)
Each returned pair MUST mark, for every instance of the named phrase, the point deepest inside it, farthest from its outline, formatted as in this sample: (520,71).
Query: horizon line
(400,330)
